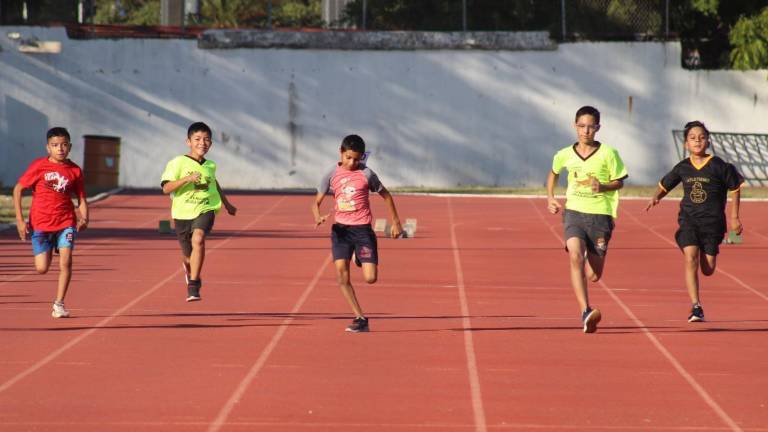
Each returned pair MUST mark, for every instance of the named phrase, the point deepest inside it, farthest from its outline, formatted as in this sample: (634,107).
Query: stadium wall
(437,118)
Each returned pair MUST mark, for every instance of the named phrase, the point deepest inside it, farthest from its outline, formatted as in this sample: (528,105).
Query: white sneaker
(59,311)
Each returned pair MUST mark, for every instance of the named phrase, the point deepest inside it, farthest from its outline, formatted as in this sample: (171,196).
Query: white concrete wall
(432,118)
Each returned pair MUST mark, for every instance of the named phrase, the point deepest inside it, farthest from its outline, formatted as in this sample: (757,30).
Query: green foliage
(298,13)
(706,7)
(749,38)
(131,12)
(230,13)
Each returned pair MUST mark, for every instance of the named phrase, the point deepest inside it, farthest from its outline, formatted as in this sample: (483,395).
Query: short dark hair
(354,143)
(57,131)
(692,124)
(199,127)
(588,110)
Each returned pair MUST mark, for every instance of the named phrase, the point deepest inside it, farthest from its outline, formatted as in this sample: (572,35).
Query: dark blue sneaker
(590,318)
(193,290)
(697,314)
(358,325)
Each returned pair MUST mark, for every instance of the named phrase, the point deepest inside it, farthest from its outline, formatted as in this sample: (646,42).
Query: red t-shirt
(53,185)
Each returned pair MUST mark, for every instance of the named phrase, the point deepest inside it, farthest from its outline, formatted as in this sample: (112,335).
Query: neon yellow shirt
(605,164)
(192,199)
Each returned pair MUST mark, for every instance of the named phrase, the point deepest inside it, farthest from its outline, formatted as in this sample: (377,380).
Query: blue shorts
(43,241)
(358,238)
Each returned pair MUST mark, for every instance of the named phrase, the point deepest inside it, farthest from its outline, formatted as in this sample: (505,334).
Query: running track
(474,327)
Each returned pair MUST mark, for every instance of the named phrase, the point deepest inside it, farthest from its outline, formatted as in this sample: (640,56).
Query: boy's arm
(397,228)
(606,187)
(657,196)
(82,224)
(735,204)
(172,185)
(21,224)
(319,219)
(552,205)
(232,210)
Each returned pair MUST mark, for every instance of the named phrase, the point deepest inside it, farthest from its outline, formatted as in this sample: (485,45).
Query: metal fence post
(464,15)
(562,12)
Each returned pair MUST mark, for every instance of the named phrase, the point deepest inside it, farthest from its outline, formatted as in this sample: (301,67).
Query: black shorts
(184,228)
(707,240)
(594,229)
(358,238)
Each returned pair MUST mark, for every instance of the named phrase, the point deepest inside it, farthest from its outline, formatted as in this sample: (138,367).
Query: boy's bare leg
(65,273)
(691,254)
(43,261)
(370,272)
(576,249)
(198,254)
(342,274)
(708,263)
(594,267)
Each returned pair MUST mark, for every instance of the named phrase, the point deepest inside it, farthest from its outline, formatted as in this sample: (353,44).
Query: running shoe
(591,317)
(358,325)
(193,290)
(59,311)
(697,314)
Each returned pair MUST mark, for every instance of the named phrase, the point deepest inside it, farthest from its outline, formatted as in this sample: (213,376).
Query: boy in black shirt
(706,179)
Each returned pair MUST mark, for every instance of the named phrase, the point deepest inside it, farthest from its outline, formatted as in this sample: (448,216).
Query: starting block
(409,228)
(164,227)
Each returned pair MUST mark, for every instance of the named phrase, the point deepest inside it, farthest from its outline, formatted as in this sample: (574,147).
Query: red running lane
(266,351)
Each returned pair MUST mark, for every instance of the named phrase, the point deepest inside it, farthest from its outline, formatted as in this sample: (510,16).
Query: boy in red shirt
(351,181)
(52,220)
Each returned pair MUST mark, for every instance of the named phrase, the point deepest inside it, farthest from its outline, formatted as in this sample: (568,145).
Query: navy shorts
(184,228)
(594,229)
(707,240)
(43,241)
(359,239)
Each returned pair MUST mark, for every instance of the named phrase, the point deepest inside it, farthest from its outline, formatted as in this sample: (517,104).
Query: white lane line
(719,268)
(234,399)
(466,322)
(698,388)
(53,355)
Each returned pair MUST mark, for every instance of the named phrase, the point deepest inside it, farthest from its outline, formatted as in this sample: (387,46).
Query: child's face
(350,159)
(586,128)
(199,143)
(58,148)
(697,141)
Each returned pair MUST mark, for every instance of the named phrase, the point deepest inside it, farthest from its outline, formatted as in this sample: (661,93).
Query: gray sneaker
(59,311)
(697,314)
(358,325)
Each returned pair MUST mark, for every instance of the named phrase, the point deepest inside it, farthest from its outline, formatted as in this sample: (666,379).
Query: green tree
(749,38)
(130,12)
(298,13)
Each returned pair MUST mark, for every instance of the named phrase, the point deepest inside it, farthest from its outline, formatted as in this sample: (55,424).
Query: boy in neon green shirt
(197,196)
(595,175)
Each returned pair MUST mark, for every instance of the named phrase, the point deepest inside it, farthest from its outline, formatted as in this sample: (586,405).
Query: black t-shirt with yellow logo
(705,191)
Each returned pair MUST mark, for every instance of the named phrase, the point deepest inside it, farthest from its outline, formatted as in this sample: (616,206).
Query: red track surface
(474,327)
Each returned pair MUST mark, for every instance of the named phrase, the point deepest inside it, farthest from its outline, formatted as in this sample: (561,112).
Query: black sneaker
(358,325)
(590,318)
(193,290)
(697,314)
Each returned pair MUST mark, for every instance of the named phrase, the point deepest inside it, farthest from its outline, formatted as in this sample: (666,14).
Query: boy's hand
(553,206)
(652,203)
(594,183)
(736,225)
(396,230)
(82,224)
(194,177)
(321,219)
(232,210)
(23,230)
